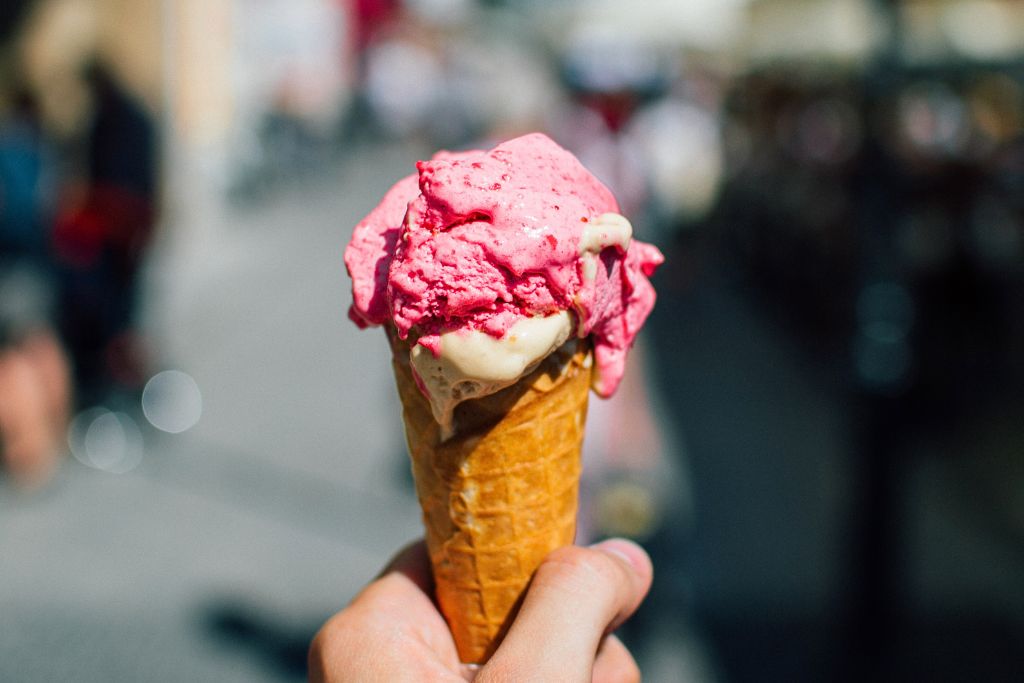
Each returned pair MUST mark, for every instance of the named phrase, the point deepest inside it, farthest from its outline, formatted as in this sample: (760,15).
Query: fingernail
(633,554)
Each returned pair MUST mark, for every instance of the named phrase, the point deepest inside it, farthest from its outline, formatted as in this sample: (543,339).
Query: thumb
(577,595)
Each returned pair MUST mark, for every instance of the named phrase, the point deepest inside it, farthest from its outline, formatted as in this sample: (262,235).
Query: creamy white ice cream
(607,230)
(474,364)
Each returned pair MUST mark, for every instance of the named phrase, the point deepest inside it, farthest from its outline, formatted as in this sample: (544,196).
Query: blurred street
(220,554)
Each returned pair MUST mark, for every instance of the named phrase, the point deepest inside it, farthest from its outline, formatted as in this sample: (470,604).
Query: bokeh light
(172,402)
(105,440)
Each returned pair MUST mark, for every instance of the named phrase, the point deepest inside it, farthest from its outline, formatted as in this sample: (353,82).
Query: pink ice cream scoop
(481,240)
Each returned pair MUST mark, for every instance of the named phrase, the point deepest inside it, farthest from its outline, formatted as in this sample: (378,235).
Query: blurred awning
(852,30)
(842,30)
(705,24)
(981,30)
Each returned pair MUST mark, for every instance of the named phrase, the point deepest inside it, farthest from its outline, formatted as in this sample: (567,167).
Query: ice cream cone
(500,494)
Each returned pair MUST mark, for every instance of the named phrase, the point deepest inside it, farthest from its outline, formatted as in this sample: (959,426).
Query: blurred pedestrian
(101,237)
(34,385)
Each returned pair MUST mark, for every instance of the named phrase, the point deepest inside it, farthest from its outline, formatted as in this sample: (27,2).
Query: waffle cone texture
(500,494)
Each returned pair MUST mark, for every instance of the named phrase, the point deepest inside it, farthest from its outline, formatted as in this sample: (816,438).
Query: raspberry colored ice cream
(482,240)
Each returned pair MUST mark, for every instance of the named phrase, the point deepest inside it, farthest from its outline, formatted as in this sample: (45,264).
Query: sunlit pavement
(223,547)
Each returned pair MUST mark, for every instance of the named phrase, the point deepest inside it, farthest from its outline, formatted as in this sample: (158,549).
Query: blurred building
(866,166)
(59,36)
(250,82)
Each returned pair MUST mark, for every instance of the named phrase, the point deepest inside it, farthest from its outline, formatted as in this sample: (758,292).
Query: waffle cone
(500,494)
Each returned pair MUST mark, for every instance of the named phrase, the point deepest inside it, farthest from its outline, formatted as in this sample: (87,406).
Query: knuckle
(590,571)
(334,635)
(316,657)
(342,639)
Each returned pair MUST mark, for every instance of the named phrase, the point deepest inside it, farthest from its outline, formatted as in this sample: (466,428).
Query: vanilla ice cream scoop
(472,364)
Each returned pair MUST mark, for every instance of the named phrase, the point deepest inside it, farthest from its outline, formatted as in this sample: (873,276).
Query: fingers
(577,596)
(413,563)
(391,631)
(614,663)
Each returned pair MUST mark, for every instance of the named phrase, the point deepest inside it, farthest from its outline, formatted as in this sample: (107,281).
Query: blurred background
(821,441)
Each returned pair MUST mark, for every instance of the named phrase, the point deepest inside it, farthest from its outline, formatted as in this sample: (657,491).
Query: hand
(392,630)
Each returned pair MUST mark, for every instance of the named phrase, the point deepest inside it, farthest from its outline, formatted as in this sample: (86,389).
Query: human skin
(34,400)
(392,630)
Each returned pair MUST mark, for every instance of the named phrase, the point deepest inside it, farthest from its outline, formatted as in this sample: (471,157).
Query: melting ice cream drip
(472,364)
